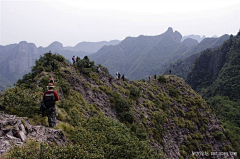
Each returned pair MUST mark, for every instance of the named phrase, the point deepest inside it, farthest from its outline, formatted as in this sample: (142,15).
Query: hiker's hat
(50,85)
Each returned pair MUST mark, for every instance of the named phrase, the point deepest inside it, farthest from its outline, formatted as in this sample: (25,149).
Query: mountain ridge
(130,56)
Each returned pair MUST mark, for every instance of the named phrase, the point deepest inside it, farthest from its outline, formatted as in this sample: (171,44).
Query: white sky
(71,22)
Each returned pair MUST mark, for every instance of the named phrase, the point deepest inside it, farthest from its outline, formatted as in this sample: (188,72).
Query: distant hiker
(155,76)
(110,79)
(170,71)
(51,81)
(98,70)
(119,76)
(49,98)
(53,65)
(123,78)
(149,77)
(73,59)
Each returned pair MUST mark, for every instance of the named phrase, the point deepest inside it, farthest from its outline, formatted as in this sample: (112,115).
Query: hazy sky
(71,22)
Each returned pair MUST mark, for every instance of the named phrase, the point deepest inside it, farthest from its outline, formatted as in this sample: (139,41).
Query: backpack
(49,99)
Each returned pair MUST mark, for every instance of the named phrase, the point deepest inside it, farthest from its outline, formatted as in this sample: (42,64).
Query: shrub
(127,117)
(219,135)
(65,86)
(162,79)
(134,92)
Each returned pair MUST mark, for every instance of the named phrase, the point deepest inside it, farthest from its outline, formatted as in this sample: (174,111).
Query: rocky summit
(108,117)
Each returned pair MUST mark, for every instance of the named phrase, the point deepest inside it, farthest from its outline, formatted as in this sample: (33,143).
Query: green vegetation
(215,76)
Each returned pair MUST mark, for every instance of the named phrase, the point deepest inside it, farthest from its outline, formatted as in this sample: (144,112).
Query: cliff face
(19,61)
(183,66)
(163,117)
(218,69)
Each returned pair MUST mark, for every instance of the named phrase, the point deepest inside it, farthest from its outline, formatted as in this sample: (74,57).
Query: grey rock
(13,132)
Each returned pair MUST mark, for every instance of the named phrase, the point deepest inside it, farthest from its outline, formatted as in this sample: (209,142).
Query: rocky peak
(170,30)
(177,36)
(55,47)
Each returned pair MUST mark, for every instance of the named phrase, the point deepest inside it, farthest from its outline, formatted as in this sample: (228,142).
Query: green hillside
(215,76)
(163,118)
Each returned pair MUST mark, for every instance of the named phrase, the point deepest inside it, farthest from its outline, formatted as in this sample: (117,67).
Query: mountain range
(139,57)
(17,59)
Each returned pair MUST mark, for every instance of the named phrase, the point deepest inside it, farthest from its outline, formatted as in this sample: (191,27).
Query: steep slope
(218,68)
(137,57)
(182,67)
(119,119)
(216,75)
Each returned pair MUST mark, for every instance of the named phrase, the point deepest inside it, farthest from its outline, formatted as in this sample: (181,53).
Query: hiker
(110,79)
(53,65)
(49,99)
(98,70)
(117,74)
(149,77)
(170,71)
(123,78)
(73,59)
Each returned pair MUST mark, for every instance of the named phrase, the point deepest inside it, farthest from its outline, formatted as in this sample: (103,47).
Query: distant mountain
(196,37)
(138,57)
(91,47)
(17,59)
(182,67)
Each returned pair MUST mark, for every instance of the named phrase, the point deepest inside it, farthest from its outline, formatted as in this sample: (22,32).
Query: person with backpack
(73,59)
(49,99)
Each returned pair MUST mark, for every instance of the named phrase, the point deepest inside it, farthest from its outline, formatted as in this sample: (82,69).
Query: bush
(219,135)
(162,79)
(65,86)
(119,103)
(134,92)
(127,117)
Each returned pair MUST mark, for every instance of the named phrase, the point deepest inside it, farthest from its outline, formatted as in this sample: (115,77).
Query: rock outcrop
(17,130)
